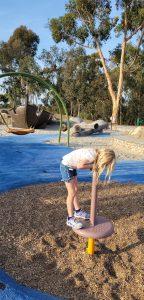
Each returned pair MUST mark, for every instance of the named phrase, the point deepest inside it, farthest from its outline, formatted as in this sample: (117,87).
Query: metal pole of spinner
(99,227)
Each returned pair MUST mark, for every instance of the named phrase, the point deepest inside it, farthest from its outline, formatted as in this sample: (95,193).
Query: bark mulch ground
(40,251)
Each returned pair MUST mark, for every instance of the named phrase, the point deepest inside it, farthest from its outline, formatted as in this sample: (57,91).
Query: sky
(34,14)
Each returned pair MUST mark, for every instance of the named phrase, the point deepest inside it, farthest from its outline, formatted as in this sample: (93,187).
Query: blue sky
(34,14)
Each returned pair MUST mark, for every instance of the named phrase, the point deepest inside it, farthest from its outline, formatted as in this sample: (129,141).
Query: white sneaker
(82,214)
(74,224)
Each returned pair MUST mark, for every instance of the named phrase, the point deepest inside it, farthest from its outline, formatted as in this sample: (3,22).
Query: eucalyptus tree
(82,85)
(18,54)
(23,42)
(89,23)
(18,88)
(132,105)
(52,61)
(134,85)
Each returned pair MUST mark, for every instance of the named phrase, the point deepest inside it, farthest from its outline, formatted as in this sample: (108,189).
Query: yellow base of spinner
(90,246)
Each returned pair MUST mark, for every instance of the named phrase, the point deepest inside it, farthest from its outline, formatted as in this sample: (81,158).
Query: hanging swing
(18,131)
(22,131)
(47,85)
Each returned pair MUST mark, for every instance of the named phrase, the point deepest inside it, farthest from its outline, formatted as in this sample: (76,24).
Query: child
(84,158)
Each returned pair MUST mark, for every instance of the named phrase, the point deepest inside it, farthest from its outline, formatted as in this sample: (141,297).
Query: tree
(89,23)
(17,54)
(82,85)
(22,43)
(134,87)
(52,60)
(132,104)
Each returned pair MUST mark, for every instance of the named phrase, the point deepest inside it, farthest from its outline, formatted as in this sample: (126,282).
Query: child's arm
(85,164)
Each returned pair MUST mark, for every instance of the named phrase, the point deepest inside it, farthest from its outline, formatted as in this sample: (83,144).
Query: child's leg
(70,185)
(76,202)
(79,213)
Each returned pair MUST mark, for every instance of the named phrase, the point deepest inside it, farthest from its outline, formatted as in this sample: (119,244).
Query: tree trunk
(120,83)
(115,98)
(78,108)
(71,108)
(109,81)
(115,110)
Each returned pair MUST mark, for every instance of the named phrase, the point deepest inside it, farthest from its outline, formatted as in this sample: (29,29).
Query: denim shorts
(67,173)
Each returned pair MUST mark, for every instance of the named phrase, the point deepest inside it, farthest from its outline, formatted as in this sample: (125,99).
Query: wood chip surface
(38,250)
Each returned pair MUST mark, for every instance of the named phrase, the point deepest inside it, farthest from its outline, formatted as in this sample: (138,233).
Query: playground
(71,128)
(40,251)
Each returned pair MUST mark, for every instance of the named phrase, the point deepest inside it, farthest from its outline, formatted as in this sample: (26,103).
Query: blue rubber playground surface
(26,160)
(10,290)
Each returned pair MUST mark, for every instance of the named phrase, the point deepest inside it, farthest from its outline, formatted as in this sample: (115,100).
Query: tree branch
(135,31)
(132,71)
(85,46)
(138,46)
(78,43)
(90,21)
(108,77)
(121,73)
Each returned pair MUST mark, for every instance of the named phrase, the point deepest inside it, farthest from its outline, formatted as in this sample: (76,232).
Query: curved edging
(48,85)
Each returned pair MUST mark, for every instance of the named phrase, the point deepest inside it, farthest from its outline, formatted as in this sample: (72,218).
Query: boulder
(77,130)
(75,120)
(101,124)
(138,132)
(97,125)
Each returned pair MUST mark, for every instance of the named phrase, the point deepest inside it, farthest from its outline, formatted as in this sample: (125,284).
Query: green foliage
(82,33)
(56,29)
(132,53)
(84,20)
(52,60)
(17,54)
(3,100)
(132,104)
(63,28)
(80,80)
(18,89)
(22,43)
(47,85)
(134,13)
(5,56)
(134,88)
(83,85)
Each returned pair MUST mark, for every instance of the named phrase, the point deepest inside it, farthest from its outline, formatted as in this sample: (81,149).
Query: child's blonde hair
(105,159)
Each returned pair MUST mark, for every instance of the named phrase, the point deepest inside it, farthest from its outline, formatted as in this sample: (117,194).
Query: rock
(98,125)
(75,129)
(64,127)
(75,119)
(137,132)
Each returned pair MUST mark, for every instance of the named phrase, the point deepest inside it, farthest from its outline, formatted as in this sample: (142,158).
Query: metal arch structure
(47,85)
